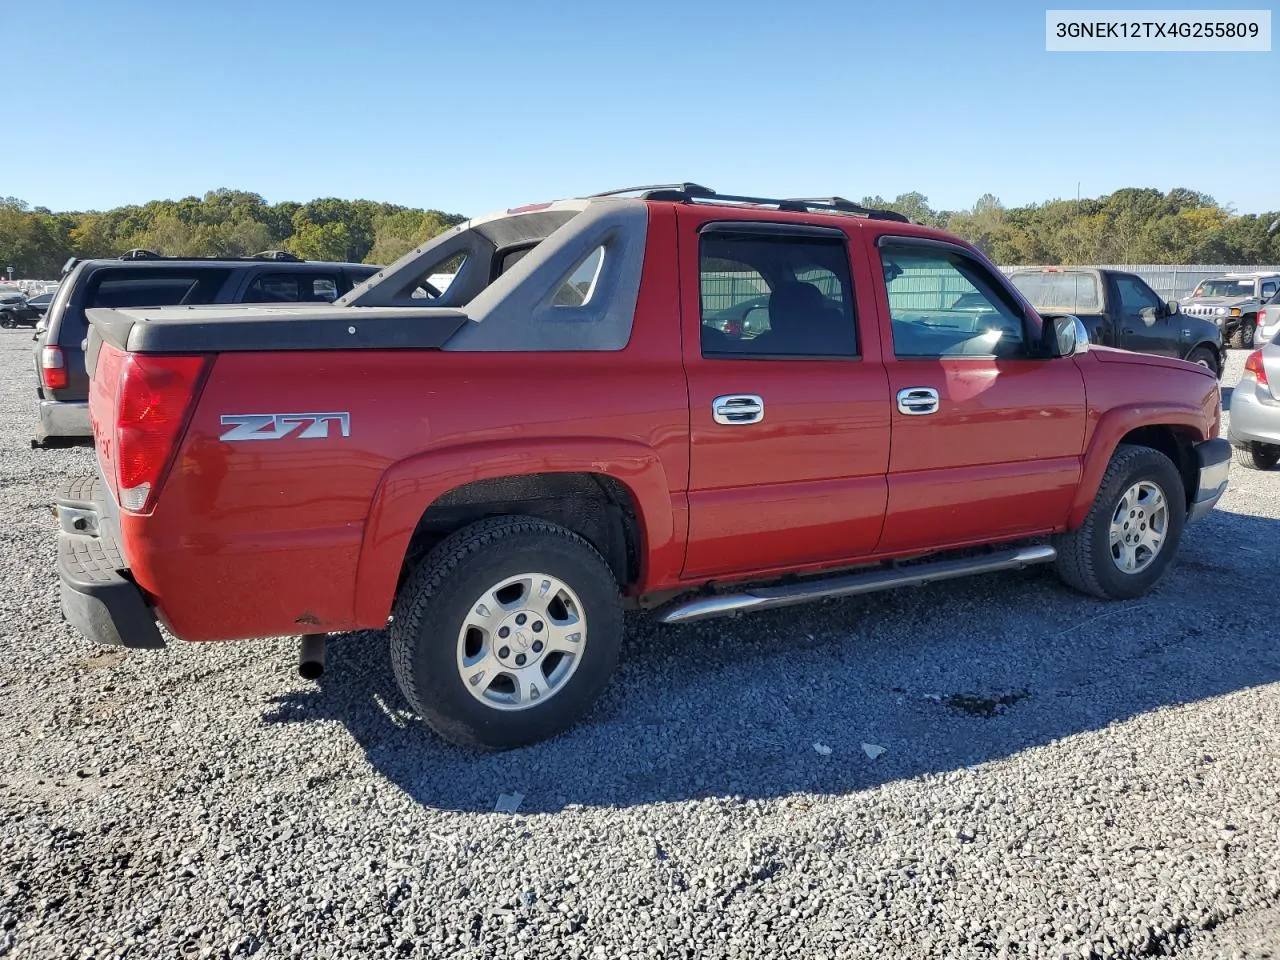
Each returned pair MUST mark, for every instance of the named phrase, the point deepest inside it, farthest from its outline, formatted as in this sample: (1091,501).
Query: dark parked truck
(1119,310)
(500,462)
(144,279)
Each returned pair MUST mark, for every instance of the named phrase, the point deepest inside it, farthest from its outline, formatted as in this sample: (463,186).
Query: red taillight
(53,368)
(152,406)
(1254,365)
(1262,317)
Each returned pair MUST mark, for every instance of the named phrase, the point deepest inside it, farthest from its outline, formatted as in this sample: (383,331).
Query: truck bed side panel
(261,537)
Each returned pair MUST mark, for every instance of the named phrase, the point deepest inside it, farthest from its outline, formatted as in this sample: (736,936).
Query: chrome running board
(766,598)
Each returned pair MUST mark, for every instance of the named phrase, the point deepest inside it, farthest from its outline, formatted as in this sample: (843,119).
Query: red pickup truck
(665,398)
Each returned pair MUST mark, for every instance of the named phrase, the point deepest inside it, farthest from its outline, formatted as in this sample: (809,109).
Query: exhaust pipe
(311,658)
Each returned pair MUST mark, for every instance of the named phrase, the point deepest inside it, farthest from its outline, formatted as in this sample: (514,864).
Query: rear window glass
(1072,292)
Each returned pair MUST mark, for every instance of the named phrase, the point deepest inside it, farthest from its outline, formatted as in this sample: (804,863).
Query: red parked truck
(666,398)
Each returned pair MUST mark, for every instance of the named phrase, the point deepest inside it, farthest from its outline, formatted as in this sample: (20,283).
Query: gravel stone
(1121,799)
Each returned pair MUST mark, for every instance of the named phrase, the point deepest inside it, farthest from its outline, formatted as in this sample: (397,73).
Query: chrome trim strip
(766,598)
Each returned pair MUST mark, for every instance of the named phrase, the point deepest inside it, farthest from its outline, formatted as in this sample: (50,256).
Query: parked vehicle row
(499,465)
(1233,301)
(142,279)
(17,310)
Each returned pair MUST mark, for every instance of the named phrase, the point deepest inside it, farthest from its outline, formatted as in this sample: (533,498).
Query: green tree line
(1133,225)
(223,223)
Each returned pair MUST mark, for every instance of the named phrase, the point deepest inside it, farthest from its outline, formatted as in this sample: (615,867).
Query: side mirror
(1173,307)
(1063,335)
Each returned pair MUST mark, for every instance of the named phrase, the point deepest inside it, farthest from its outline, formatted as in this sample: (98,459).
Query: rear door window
(775,296)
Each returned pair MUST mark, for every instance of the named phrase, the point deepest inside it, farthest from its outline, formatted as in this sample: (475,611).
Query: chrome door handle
(737,408)
(917,401)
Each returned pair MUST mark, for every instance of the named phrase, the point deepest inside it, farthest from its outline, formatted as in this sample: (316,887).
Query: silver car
(1254,429)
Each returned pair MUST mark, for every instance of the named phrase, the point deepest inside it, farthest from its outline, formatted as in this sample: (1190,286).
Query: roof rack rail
(658,191)
(276,255)
(689,192)
(140,253)
(848,206)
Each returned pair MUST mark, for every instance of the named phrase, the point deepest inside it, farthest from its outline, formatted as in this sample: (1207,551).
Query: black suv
(144,279)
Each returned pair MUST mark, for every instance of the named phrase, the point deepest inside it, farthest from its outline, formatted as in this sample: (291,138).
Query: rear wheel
(507,633)
(1204,357)
(1132,531)
(1260,456)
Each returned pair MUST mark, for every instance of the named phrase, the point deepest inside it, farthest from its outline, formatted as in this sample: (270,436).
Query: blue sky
(470,107)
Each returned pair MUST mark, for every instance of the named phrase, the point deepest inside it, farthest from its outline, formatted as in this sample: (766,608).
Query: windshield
(1225,288)
(1070,292)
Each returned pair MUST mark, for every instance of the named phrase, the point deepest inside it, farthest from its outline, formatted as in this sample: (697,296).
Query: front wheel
(507,633)
(1131,533)
(1204,357)
(1243,336)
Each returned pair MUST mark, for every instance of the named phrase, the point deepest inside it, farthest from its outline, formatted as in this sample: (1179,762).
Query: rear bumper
(1214,459)
(1255,418)
(62,418)
(98,597)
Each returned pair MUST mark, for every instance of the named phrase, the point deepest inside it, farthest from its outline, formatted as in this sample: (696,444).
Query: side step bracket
(766,598)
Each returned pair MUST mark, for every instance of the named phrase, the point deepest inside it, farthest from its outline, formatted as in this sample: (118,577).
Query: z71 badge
(277,426)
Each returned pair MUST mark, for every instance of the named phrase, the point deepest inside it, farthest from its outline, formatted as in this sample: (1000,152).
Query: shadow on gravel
(942,677)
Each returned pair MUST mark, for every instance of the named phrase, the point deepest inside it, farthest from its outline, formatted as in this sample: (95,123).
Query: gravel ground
(1060,777)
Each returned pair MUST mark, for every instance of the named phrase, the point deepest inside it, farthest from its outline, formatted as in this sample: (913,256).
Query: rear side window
(151,287)
(292,288)
(581,283)
(1068,292)
(774,295)
(438,278)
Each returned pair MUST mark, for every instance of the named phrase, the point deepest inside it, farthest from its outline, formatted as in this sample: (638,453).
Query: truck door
(1142,317)
(986,439)
(789,412)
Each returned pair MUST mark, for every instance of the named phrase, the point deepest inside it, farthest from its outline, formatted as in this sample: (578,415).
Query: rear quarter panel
(277,537)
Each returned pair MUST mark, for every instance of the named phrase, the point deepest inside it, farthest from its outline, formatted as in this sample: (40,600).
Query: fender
(1107,434)
(410,486)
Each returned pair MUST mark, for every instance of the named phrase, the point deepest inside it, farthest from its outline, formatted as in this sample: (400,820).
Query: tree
(321,241)
(1134,224)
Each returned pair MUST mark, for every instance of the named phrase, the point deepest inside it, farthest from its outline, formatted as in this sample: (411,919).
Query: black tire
(7,321)
(1206,358)
(1260,456)
(437,597)
(1242,338)
(1084,554)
